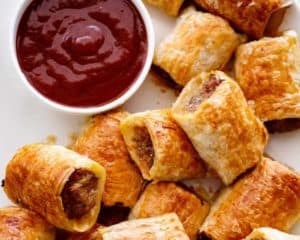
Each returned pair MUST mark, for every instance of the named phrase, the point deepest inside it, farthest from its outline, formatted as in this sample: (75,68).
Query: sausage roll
(59,184)
(159,147)
(103,142)
(169,7)
(22,224)
(270,234)
(250,17)
(200,42)
(166,197)
(223,128)
(164,227)
(268,72)
(266,197)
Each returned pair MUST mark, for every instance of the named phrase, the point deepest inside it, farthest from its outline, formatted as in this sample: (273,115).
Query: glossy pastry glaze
(160,148)
(270,234)
(165,227)
(21,224)
(250,17)
(268,72)
(222,128)
(169,7)
(167,197)
(266,197)
(200,42)
(102,141)
(49,167)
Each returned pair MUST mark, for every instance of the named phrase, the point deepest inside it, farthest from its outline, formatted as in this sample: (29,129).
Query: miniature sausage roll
(270,234)
(159,147)
(266,197)
(59,184)
(103,142)
(200,42)
(170,7)
(250,17)
(216,117)
(268,72)
(166,197)
(164,227)
(22,224)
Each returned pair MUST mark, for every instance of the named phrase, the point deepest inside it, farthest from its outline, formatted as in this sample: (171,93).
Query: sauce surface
(81,53)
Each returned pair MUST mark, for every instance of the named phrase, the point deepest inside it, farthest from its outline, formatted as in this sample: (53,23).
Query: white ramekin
(87,110)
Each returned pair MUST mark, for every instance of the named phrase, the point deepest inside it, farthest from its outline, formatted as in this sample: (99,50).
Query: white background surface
(26,120)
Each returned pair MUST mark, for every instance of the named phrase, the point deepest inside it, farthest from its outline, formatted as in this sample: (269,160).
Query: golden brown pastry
(170,7)
(166,227)
(59,184)
(103,142)
(92,234)
(159,147)
(166,197)
(250,17)
(270,234)
(268,72)
(21,224)
(214,113)
(266,197)
(200,42)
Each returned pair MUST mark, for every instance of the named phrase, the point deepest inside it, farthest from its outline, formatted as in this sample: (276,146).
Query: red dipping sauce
(81,53)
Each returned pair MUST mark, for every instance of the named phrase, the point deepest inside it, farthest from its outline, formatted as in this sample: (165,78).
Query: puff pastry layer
(170,7)
(22,224)
(200,42)
(250,17)
(270,234)
(166,227)
(266,197)
(103,142)
(166,197)
(214,113)
(160,147)
(268,72)
(52,180)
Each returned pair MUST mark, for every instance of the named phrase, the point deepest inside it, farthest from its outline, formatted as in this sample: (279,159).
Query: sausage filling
(207,89)
(285,125)
(80,193)
(144,146)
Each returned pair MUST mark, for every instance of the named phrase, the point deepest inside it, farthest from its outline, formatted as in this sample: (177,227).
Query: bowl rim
(87,110)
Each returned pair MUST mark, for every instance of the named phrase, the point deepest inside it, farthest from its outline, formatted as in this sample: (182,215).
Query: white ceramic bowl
(87,110)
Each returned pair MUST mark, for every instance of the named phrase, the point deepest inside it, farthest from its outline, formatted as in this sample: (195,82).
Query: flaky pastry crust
(266,197)
(36,176)
(200,42)
(270,234)
(173,156)
(102,141)
(250,17)
(268,72)
(223,128)
(165,227)
(170,7)
(22,224)
(166,197)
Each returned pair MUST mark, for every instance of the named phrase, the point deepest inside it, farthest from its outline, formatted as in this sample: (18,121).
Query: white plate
(25,120)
